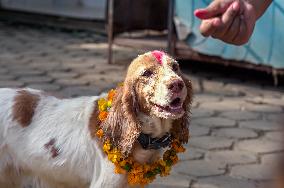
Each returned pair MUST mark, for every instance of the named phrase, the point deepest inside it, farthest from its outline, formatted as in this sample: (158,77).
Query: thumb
(216,8)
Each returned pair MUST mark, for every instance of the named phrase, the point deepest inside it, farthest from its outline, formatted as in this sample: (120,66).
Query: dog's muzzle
(147,142)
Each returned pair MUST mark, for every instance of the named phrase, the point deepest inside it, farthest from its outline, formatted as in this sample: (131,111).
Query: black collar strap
(147,142)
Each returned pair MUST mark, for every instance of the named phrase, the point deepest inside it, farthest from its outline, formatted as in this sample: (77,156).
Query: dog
(50,142)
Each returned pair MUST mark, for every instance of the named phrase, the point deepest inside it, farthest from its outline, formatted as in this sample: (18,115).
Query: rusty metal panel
(132,15)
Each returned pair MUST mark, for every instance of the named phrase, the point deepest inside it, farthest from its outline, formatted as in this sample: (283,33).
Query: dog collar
(147,142)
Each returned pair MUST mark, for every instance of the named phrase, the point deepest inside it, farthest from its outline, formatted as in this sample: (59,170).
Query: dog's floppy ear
(180,126)
(121,125)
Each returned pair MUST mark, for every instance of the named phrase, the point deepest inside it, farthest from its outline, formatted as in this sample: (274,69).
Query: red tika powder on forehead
(158,55)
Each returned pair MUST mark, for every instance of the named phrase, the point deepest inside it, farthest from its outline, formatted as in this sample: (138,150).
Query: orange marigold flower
(102,103)
(103,116)
(107,146)
(111,94)
(114,156)
(166,171)
(119,170)
(162,163)
(100,133)
(178,147)
(174,158)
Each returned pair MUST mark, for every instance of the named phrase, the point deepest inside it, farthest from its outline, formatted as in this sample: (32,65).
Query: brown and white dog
(47,142)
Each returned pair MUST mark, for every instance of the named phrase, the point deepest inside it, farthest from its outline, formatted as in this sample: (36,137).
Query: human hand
(231,21)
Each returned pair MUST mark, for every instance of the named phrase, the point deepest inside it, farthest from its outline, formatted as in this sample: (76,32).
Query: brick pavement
(236,128)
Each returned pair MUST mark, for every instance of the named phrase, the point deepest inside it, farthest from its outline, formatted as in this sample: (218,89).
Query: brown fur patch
(121,124)
(180,128)
(93,122)
(50,143)
(50,146)
(24,107)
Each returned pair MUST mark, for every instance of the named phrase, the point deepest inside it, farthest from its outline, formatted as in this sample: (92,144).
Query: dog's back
(46,136)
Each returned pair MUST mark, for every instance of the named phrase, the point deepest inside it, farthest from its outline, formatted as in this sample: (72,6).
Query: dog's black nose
(176,86)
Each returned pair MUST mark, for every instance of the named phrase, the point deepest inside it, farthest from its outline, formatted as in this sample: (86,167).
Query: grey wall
(86,9)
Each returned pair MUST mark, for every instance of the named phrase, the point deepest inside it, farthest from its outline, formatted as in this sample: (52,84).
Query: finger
(208,27)
(216,8)
(241,38)
(230,15)
(222,32)
(234,31)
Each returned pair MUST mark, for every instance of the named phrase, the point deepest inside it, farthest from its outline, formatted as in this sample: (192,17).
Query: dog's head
(155,86)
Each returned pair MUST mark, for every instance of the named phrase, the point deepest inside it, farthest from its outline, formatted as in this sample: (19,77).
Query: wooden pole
(110,30)
(170,47)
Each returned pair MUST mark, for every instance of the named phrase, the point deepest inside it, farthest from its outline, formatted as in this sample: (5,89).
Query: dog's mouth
(174,107)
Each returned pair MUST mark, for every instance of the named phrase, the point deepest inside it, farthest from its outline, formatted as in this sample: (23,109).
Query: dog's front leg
(105,177)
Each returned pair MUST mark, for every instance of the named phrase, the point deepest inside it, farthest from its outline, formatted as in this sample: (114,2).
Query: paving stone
(195,130)
(45,86)
(104,69)
(81,64)
(229,105)
(191,154)
(253,172)
(115,77)
(63,74)
(267,100)
(231,157)
(46,65)
(236,133)
(35,79)
(6,77)
(275,136)
(223,182)
(268,184)
(262,108)
(212,86)
(214,122)
(173,180)
(271,91)
(196,86)
(80,91)
(260,146)
(210,142)
(71,82)
(234,91)
(25,72)
(104,86)
(262,125)
(272,159)
(205,97)
(11,83)
(240,115)
(3,70)
(194,104)
(275,117)
(199,168)
(201,112)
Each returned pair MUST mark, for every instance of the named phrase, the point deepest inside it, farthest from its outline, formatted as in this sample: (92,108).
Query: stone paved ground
(235,129)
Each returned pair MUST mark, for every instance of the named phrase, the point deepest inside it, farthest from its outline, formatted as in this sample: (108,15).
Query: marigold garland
(137,174)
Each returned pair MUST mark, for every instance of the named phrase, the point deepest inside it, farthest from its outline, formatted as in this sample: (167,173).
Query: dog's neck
(155,127)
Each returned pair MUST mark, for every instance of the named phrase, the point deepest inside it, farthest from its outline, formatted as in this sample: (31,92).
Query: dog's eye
(147,73)
(175,67)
